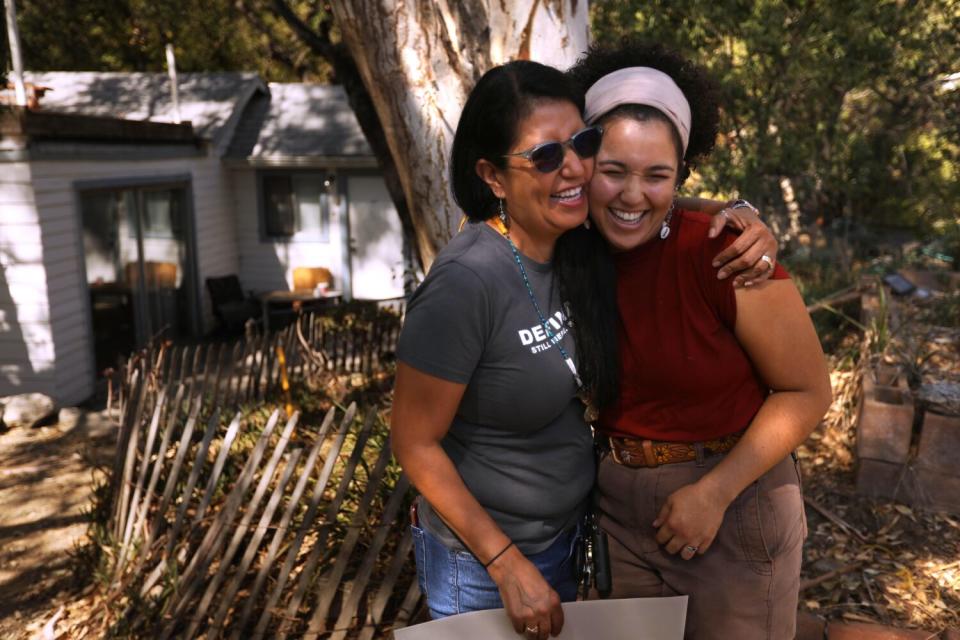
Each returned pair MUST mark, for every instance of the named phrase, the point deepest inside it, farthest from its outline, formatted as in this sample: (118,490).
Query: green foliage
(130,35)
(845,103)
(817,277)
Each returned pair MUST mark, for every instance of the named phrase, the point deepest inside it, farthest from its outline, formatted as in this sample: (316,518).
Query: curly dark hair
(700,90)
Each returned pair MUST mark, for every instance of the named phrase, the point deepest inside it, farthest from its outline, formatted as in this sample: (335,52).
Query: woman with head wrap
(698,490)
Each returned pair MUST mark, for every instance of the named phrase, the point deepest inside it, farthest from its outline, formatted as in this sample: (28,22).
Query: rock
(28,410)
(942,397)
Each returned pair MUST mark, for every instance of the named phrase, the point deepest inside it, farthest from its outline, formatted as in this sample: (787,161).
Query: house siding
(26,337)
(43,274)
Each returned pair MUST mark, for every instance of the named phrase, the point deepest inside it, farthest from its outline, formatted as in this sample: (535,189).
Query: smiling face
(542,206)
(633,185)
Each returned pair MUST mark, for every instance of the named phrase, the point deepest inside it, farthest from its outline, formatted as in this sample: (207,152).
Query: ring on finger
(531,628)
(742,204)
(690,548)
(768,260)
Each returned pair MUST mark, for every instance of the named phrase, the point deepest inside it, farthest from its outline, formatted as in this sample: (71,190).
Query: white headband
(640,85)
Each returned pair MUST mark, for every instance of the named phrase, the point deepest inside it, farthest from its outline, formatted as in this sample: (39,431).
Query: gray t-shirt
(518,439)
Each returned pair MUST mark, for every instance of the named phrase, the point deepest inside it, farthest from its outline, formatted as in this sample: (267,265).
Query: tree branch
(274,49)
(319,43)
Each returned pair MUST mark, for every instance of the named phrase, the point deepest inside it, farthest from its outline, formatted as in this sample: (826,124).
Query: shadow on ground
(46,477)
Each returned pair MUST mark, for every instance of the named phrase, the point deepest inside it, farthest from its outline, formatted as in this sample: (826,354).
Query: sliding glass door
(138,267)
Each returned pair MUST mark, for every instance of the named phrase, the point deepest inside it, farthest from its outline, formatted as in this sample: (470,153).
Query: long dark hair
(488,125)
(588,280)
(487,129)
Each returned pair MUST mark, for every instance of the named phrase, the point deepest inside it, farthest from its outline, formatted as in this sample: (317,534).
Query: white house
(113,215)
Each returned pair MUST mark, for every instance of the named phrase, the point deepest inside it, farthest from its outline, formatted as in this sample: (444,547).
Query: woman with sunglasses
(486,418)
(698,491)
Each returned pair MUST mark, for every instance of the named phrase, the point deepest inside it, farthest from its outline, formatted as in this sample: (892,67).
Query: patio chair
(307,278)
(231,306)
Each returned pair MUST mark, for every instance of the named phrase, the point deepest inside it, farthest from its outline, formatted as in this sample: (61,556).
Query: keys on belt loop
(414,514)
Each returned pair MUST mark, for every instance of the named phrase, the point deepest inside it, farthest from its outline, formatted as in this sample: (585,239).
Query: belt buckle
(625,460)
(629,459)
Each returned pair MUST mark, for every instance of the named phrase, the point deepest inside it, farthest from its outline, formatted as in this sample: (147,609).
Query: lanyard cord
(502,228)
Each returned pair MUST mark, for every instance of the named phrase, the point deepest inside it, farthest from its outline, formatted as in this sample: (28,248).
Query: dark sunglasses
(548,156)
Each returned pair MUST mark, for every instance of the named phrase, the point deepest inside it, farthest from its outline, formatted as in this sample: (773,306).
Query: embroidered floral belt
(636,452)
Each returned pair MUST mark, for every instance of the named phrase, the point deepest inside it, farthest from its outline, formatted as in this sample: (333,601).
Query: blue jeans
(456,582)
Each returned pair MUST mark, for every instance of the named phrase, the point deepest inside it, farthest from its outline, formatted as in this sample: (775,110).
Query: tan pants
(746,585)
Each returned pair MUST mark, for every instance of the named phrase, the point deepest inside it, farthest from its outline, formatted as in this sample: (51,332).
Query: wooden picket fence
(230,518)
(359,343)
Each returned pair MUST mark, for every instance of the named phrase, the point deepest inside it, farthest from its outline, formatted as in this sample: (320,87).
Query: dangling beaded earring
(665,225)
(503,215)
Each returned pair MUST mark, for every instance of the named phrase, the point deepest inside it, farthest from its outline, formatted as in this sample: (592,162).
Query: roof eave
(49,125)
(304,162)
(230,126)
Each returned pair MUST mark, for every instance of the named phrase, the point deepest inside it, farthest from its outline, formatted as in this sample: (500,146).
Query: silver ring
(767,259)
(530,629)
(741,204)
(691,548)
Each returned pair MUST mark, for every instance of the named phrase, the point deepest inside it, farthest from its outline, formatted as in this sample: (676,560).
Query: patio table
(287,303)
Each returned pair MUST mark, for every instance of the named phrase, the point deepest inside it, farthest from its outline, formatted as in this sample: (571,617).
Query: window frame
(139,183)
(324,236)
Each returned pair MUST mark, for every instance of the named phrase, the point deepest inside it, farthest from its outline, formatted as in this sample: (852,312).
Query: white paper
(627,619)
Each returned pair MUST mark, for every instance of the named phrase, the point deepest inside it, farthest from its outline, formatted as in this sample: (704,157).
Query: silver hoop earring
(665,225)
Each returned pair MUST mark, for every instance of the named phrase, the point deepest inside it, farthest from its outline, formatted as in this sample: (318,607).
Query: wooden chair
(307,278)
(231,306)
(159,275)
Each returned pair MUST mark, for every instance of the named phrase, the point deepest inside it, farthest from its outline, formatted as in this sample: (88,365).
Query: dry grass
(897,565)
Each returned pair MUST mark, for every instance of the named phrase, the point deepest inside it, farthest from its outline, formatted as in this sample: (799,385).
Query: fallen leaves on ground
(907,572)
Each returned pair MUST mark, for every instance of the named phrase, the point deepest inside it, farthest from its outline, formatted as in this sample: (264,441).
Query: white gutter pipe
(172,71)
(13,36)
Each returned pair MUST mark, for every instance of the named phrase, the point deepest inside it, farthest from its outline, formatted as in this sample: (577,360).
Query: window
(296,206)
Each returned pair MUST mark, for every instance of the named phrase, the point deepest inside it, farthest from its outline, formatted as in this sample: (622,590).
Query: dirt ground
(46,476)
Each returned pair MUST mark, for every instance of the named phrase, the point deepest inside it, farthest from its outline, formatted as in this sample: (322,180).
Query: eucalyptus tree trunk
(418,60)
